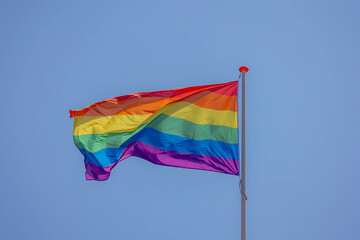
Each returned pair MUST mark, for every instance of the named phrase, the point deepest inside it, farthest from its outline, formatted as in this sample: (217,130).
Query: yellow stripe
(127,123)
(101,125)
(199,115)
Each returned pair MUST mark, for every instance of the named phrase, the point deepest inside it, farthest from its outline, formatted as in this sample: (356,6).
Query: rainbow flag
(192,127)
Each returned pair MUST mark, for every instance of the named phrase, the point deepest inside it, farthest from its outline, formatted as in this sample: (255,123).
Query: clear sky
(303,144)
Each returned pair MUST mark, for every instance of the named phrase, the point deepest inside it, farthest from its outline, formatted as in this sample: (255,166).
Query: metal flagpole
(242,176)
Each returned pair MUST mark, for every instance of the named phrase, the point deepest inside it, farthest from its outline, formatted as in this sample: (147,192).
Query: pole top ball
(243,68)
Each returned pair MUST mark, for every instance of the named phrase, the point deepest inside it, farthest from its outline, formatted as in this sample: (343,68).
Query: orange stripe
(219,98)
(214,101)
(136,106)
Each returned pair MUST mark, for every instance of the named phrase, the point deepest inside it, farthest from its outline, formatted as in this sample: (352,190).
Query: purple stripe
(94,172)
(165,158)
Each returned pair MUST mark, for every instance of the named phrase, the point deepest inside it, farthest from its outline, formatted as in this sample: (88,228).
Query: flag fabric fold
(192,127)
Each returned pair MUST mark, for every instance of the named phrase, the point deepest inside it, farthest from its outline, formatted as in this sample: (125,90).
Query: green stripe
(162,123)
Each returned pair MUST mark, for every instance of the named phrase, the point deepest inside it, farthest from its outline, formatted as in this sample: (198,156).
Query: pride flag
(192,127)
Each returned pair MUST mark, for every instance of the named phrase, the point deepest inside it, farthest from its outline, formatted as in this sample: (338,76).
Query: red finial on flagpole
(243,68)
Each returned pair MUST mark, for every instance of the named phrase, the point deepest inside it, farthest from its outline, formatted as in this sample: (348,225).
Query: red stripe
(227,89)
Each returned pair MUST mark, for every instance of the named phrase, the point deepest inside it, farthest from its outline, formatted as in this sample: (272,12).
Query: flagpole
(242,176)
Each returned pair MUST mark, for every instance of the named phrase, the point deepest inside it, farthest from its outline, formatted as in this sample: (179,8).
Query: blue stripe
(102,158)
(165,142)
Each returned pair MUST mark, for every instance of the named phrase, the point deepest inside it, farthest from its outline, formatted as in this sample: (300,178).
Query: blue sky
(302,117)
